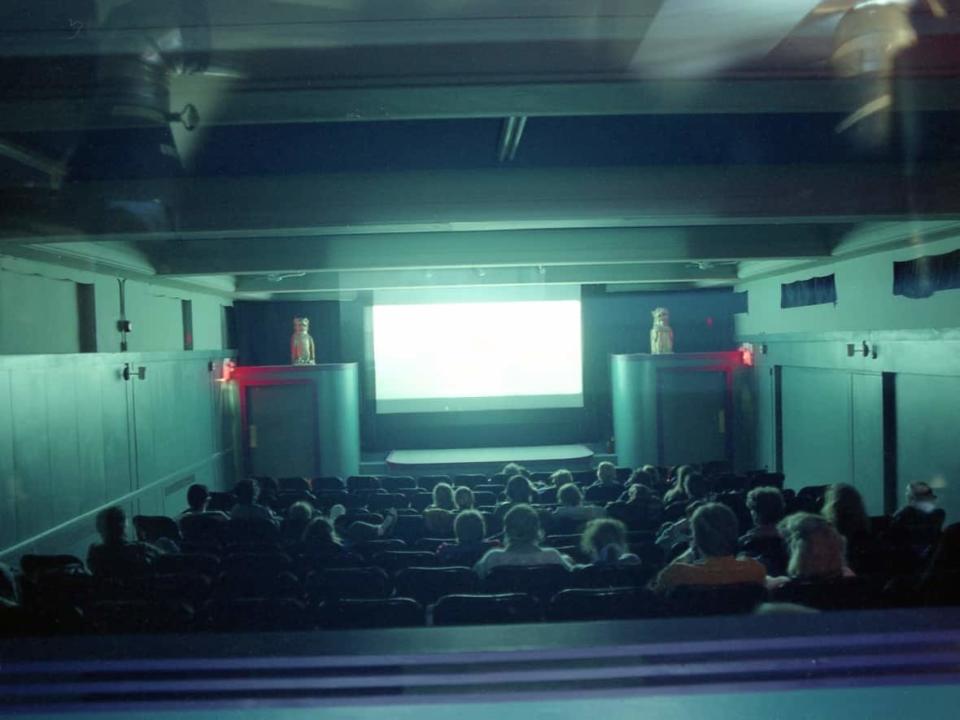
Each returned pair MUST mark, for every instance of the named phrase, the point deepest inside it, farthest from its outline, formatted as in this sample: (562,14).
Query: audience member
(511,469)
(678,491)
(817,550)
(198,496)
(114,555)
(766,508)
(247,507)
(463,498)
(321,541)
(606,488)
(714,544)
(571,506)
(470,530)
(946,556)
(522,535)
(295,523)
(604,541)
(518,492)
(438,517)
(918,524)
(678,533)
(843,507)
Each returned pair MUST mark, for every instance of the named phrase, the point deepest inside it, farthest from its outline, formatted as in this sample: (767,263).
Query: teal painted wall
(832,405)
(76,437)
(39,312)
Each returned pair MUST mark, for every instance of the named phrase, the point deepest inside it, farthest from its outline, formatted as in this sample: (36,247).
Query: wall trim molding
(89,516)
(918,335)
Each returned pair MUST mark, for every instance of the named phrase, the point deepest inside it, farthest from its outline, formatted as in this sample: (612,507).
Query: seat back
(362,482)
(396,483)
(203,528)
(429,482)
(373,613)
(200,563)
(393,561)
(32,565)
(427,584)
(293,484)
(771,551)
(337,583)
(541,581)
(221,501)
(409,528)
(256,615)
(604,604)
(602,575)
(471,480)
(386,501)
(853,593)
(486,609)
(150,528)
(692,600)
(328,483)
(125,617)
(254,530)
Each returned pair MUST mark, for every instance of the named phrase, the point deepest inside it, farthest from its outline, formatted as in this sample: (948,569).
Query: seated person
(198,496)
(438,517)
(606,488)
(843,507)
(693,487)
(605,542)
(115,556)
(763,540)
(816,550)
(679,532)
(320,540)
(522,535)
(918,524)
(548,493)
(470,531)
(463,498)
(297,518)
(354,532)
(714,561)
(678,492)
(572,507)
(247,507)
(518,492)
(766,508)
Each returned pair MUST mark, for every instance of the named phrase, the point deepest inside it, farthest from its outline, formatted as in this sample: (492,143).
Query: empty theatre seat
(293,484)
(470,480)
(604,604)
(336,583)
(256,615)
(492,488)
(692,600)
(32,565)
(151,528)
(328,482)
(853,593)
(396,560)
(420,501)
(409,528)
(192,588)
(396,483)
(541,581)
(482,498)
(428,482)
(613,576)
(362,482)
(427,584)
(486,609)
(238,532)
(127,617)
(386,501)
(203,528)
(372,613)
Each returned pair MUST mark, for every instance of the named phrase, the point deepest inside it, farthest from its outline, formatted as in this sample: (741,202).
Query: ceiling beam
(521,199)
(412,251)
(234,104)
(487,277)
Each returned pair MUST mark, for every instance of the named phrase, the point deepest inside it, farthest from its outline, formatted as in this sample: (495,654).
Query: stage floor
(490,456)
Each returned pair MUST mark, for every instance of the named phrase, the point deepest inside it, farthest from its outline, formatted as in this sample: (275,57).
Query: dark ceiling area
(652,143)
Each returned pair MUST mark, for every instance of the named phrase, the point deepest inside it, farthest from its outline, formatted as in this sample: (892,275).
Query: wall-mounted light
(862,348)
(128,372)
(746,354)
(227,368)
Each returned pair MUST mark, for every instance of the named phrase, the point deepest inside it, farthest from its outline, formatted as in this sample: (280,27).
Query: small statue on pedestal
(301,344)
(661,334)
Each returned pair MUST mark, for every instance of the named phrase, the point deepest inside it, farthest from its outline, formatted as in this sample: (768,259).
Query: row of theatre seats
(272,592)
(244,576)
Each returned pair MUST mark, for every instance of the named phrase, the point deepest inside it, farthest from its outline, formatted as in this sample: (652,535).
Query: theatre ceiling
(321,148)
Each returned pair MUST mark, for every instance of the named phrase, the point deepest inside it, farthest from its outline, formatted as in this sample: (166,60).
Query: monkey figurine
(302,350)
(661,334)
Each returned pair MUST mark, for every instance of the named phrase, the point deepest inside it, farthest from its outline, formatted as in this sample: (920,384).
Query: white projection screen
(508,353)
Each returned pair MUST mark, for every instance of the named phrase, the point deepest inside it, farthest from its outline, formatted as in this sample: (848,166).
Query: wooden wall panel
(31,452)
